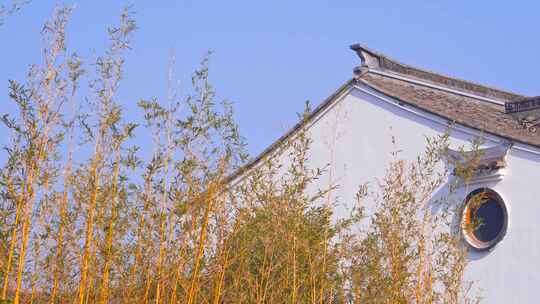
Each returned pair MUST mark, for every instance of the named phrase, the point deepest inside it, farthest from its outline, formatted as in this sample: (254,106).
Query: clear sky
(271,56)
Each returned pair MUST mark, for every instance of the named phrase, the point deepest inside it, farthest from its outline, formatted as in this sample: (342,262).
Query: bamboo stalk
(12,245)
(89,230)
(104,293)
(192,294)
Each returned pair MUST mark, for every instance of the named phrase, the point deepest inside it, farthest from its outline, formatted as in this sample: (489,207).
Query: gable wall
(354,135)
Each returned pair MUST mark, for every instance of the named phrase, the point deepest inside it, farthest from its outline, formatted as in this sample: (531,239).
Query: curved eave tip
(369,58)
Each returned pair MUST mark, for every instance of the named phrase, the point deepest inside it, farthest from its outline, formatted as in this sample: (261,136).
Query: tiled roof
(466,103)
(467,111)
(375,61)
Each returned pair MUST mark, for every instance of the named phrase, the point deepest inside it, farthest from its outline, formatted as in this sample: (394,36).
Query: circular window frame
(468,234)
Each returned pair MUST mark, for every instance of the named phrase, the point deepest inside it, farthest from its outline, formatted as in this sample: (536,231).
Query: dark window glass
(490,217)
(484,218)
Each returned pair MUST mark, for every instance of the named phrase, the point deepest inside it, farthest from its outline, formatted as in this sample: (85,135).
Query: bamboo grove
(87,216)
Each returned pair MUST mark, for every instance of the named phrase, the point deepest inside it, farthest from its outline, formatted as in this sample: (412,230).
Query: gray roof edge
(376,61)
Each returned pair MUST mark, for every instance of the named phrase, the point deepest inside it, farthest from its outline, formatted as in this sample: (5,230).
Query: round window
(484,218)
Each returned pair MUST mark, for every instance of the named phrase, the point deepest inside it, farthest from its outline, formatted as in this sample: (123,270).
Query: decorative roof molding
(526,111)
(370,59)
(489,163)
(376,61)
(492,157)
(526,104)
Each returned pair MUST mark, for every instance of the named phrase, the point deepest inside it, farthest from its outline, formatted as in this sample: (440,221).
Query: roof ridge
(373,60)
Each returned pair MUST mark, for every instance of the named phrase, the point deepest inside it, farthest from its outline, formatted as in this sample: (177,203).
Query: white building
(386,99)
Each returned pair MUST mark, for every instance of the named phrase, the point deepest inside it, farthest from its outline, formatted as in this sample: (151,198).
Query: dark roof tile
(467,111)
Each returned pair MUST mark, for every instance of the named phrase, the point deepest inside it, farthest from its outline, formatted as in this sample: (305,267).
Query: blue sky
(269,57)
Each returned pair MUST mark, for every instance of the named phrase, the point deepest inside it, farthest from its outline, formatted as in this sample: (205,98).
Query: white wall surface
(354,135)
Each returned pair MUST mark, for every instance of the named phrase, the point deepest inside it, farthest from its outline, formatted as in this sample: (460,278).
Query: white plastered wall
(355,136)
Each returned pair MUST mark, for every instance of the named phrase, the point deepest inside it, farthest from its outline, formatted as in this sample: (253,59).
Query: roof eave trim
(438,87)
